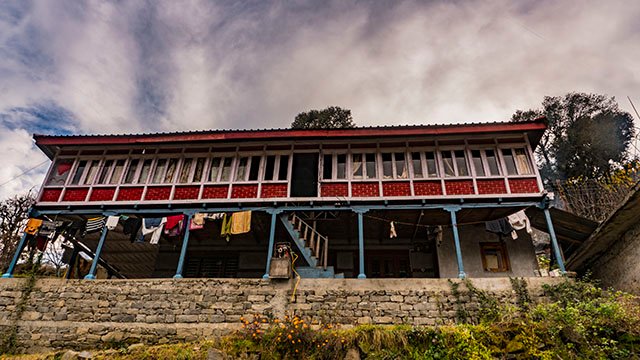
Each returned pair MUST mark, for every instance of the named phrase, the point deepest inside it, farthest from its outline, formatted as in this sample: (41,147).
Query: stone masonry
(82,314)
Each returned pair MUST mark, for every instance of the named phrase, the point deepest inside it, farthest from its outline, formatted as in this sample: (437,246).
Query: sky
(79,67)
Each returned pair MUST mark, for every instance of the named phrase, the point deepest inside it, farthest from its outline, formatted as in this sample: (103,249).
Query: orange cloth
(241,222)
(33,225)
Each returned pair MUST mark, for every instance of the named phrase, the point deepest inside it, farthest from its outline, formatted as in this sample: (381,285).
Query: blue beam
(272,236)
(185,244)
(554,241)
(94,264)
(16,256)
(456,241)
(360,213)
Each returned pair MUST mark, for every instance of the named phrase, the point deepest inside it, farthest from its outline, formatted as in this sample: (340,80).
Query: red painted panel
(102,194)
(396,188)
(215,192)
(130,194)
(186,192)
(273,191)
(244,191)
(427,188)
(459,187)
(334,189)
(76,194)
(50,195)
(524,186)
(365,189)
(495,186)
(158,193)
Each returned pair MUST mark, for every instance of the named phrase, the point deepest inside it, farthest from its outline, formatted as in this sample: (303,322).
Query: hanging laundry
(76,228)
(41,242)
(33,225)
(49,227)
(131,226)
(392,231)
(112,222)
(153,226)
(520,221)
(438,232)
(500,226)
(197,221)
(94,224)
(241,222)
(174,225)
(225,231)
(214,216)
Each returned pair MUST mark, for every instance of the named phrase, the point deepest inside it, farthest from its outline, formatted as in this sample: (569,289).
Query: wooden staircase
(313,246)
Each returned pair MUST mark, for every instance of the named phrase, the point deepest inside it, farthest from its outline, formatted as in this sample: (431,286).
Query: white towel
(392,231)
(520,221)
(112,222)
(157,231)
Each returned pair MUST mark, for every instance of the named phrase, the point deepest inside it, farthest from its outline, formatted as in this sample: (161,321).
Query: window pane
(509,161)
(372,171)
(171,170)
(60,172)
(387,167)
(357,166)
(131,171)
(416,165)
(185,170)
(144,173)
(461,162)
(477,163)
(327,167)
(242,169)
(226,169)
(342,162)
(283,171)
(401,168)
(214,170)
(117,172)
(76,177)
(104,172)
(158,171)
(524,168)
(432,169)
(91,174)
(492,161)
(270,167)
(447,161)
(255,168)
(197,174)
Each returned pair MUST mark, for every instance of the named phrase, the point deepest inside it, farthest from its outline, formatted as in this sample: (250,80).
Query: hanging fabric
(76,228)
(225,231)
(153,226)
(500,226)
(197,221)
(49,227)
(174,225)
(392,231)
(33,225)
(41,242)
(241,222)
(520,221)
(94,224)
(438,232)
(131,226)
(112,222)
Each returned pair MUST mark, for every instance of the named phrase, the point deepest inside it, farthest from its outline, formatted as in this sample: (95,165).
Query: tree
(14,213)
(332,117)
(588,135)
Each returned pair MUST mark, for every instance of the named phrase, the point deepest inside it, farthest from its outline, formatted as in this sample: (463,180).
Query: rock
(114,336)
(85,355)
(136,346)
(69,355)
(215,354)
(352,354)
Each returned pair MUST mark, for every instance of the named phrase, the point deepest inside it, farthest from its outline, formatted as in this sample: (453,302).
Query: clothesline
(423,225)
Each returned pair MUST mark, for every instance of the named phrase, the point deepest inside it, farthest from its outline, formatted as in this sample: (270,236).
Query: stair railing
(318,243)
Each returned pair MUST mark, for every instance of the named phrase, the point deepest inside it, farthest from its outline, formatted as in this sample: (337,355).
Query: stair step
(316,272)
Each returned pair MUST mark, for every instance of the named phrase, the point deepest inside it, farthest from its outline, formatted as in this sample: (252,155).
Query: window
(455,163)
(342,166)
(104,172)
(394,166)
(432,168)
(185,170)
(517,162)
(424,161)
(144,172)
(494,257)
(327,167)
(416,165)
(171,170)
(220,169)
(363,166)
(60,172)
(485,162)
(82,165)
(131,171)
(248,168)
(91,173)
(283,168)
(117,172)
(225,175)
(158,171)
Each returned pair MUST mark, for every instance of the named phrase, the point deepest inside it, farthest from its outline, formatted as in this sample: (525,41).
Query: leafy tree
(332,117)
(14,212)
(588,136)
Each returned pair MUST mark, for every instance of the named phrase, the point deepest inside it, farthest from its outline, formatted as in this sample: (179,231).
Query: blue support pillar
(16,256)
(456,240)
(96,259)
(360,213)
(185,244)
(554,241)
(272,239)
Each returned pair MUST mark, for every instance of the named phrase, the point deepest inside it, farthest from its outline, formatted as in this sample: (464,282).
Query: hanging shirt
(520,221)
(94,224)
(241,222)
(112,222)
(49,227)
(197,221)
(500,226)
(226,227)
(392,231)
(32,227)
(153,226)
(131,226)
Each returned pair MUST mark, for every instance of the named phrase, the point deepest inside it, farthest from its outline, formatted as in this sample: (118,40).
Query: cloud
(144,66)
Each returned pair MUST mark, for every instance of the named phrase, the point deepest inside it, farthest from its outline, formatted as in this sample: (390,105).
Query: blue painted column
(96,258)
(554,241)
(456,240)
(360,213)
(272,239)
(16,256)
(185,244)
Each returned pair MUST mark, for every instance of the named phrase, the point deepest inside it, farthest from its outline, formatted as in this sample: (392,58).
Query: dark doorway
(304,175)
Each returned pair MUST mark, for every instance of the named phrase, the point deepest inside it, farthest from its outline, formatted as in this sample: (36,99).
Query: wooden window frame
(501,249)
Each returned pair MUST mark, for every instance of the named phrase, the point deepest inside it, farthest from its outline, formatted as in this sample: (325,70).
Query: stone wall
(618,266)
(88,314)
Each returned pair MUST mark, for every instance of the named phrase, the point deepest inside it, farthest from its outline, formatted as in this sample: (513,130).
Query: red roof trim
(235,135)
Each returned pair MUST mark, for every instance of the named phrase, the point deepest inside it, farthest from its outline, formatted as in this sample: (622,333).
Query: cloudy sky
(146,66)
